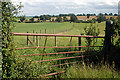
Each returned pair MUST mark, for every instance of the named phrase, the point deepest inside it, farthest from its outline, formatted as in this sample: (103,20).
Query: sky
(55,7)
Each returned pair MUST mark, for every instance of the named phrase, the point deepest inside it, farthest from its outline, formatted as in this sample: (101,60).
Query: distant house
(47,20)
(36,19)
(68,17)
(53,18)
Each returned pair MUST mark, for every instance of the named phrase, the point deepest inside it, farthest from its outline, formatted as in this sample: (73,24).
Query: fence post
(79,42)
(55,41)
(37,41)
(40,36)
(27,39)
(45,31)
(107,41)
(33,37)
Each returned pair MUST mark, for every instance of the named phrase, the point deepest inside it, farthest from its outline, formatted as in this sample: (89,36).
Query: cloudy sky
(39,7)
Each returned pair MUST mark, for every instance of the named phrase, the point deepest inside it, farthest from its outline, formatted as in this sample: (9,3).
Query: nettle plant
(93,31)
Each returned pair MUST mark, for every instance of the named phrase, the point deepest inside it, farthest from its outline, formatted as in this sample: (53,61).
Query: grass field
(58,28)
(52,28)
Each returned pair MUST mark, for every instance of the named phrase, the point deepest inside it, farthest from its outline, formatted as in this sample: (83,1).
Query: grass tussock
(91,71)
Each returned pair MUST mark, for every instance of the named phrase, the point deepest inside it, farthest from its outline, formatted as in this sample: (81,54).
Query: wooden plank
(52,53)
(30,41)
(59,35)
(51,74)
(44,49)
(55,47)
(60,59)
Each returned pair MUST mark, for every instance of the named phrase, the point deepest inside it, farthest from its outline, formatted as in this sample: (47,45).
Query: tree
(35,17)
(101,18)
(88,15)
(42,17)
(73,18)
(94,20)
(65,19)
(83,14)
(110,14)
(22,18)
(45,17)
(106,14)
(115,14)
(58,19)
(100,14)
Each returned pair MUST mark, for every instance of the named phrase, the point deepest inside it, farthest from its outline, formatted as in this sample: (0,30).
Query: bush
(88,21)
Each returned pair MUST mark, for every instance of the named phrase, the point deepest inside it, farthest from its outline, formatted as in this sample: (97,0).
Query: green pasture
(52,28)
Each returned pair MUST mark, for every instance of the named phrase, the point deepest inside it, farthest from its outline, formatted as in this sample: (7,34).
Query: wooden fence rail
(56,47)
(58,35)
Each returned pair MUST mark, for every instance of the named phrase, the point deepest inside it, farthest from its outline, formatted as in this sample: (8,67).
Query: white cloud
(38,7)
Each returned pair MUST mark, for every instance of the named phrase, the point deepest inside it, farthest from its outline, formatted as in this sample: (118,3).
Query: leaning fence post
(27,39)
(107,41)
(79,42)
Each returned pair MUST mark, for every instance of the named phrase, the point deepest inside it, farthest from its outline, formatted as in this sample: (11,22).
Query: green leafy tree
(65,19)
(58,19)
(73,18)
(101,18)
(110,14)
(93,31)
(88,15)
(22,18)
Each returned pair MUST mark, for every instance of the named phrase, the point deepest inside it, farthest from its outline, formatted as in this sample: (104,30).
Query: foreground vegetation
(91,71)
(15,66)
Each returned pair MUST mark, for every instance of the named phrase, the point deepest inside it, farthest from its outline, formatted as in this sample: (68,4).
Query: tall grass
(91,71)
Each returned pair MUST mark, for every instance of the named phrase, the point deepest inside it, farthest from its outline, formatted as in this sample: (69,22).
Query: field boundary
(44,47)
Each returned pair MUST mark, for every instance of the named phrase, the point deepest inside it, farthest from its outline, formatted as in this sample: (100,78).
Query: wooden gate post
(37,41)
(55,41)
(40,36)
(107,41)
(45,31)
(33,37)
(27,39)
(79,42)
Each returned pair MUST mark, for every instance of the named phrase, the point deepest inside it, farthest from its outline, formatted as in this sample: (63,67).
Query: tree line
(73,18)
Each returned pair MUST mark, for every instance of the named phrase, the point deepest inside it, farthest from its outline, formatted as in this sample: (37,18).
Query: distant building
(36,19)
(53,18)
